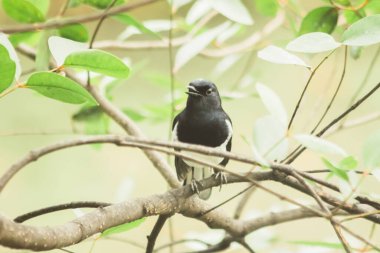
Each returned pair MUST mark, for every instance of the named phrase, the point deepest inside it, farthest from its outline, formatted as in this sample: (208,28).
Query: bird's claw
(222,176)
(194,186)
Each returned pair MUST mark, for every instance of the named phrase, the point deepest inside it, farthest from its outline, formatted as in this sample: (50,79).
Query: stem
(306,86)
(156,230)
(11,89)
(335,93)
(337,119)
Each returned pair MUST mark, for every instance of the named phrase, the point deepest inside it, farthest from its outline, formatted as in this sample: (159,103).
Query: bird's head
(203,93)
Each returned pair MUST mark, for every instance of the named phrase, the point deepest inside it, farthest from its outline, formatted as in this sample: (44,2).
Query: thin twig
(363,83)
(306,86)
(243,202)
(227,200)
(337,119)
(164,246)
(155,232)
(335,93)
(60,207)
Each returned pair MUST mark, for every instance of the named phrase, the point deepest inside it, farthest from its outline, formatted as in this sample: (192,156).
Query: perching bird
(202,122)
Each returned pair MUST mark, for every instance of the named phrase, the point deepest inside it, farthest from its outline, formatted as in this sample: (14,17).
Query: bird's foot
(222,176)
(194,186)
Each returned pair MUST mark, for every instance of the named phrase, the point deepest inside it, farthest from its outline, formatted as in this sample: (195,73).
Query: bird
(204,122)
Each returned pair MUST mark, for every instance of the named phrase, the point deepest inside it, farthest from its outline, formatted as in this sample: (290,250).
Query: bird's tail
(199,174)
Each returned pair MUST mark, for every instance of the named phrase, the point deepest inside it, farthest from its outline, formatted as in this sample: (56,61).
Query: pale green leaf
(157,25)
(58,87)
(269,138)
(364,32)
(234,10)
(280,56)
(316,42)
(190,49)
(328,245)
(98,61)
(129,20)
(122,228)
(371,150)
(273,103)
(198,10)
(319,145)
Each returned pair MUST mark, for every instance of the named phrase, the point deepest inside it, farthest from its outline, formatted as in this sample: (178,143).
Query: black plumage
(202,122)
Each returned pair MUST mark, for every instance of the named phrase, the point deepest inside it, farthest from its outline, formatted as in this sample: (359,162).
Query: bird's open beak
(192,91)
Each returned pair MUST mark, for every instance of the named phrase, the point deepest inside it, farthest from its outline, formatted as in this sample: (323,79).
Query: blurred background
(112,174)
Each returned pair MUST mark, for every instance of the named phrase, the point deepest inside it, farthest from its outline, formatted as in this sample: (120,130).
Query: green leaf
(76,32)
(94,119)
(129,20)
(322,19)
(342,2)
(319,145)
(335,170)
(364,32)
(30,38)
(348,163)
(371,151)
(329,245)
(74,3)
(351,16)
(23,11)
(267,7)
(134,114)
(42,5)
(122,228)
(7,69)
(100,4)
(316,42)
(373,7)
(4,41)
(58,87)
(280,56)
(97,61)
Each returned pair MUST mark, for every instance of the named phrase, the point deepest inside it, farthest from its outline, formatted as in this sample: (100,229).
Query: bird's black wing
(181,167)
(228,147)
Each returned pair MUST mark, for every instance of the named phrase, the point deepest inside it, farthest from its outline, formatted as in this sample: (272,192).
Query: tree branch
(55,23)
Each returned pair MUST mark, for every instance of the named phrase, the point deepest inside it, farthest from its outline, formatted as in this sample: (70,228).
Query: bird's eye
(208,92)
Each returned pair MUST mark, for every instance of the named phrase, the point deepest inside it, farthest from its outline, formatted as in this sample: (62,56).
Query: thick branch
(19,236)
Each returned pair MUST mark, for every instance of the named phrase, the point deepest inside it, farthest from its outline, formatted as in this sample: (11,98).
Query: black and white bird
(202,122)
